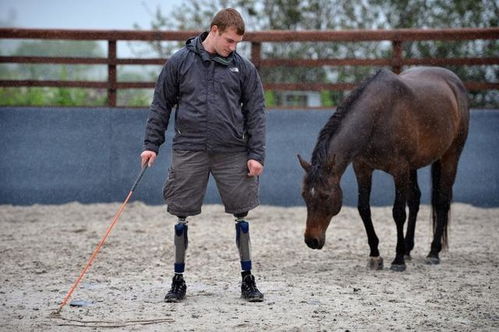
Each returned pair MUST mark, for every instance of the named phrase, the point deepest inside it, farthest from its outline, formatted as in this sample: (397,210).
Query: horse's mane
(320,152)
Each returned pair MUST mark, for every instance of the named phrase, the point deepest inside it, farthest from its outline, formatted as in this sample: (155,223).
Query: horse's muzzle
(314,243)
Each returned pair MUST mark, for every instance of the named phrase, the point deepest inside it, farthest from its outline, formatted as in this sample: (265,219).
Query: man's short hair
(228,18)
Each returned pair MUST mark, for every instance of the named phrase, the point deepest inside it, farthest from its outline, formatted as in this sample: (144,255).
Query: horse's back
(439,82)
(428,113)
(439,90)
(435,72)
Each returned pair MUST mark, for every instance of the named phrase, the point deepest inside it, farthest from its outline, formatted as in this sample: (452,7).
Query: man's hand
(147,157)
(254,167)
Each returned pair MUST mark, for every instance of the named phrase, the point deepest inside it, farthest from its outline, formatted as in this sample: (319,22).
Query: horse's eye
(324,196)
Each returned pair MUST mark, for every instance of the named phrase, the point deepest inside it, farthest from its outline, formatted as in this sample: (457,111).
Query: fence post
(111,73)
(397,56)
(256,50)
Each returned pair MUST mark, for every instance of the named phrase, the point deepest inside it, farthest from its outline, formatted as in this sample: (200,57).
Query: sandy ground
(43,249)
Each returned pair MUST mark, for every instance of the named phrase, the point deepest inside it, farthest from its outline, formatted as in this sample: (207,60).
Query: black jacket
(219,103)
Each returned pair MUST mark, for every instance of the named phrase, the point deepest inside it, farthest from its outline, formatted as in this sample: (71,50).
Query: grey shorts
(188,176)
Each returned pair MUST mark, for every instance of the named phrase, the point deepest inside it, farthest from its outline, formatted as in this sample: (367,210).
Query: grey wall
(58,155)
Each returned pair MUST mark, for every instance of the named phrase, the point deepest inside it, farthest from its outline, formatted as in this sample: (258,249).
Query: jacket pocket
(189,122)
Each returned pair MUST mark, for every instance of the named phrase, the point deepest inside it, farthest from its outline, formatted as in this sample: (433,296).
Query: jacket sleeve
(253,107)
(164,99)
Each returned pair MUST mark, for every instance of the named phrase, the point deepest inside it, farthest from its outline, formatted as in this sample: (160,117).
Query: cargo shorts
(188,176)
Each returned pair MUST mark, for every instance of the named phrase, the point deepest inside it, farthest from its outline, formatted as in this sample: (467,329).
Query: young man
(219,130)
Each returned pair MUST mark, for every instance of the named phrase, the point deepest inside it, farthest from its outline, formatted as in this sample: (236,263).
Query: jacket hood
(195,44)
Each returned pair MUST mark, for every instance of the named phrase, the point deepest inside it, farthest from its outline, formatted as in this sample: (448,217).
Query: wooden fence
(396,61)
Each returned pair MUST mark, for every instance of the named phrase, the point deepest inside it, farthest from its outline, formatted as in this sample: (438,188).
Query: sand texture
(44,247)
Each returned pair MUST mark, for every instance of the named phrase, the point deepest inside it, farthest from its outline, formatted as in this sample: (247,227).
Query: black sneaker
(249,291)
(177,292)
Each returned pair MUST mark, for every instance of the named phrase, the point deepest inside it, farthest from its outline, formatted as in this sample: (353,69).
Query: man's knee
(241,215)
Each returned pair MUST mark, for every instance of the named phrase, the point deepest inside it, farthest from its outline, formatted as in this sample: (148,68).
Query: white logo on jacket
(234,69)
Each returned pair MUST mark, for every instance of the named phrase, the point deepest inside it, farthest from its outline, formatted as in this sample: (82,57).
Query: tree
(53,96)
(59,48)
(449,14)
(65,96)
(274,15)
(191,15)
(342,15)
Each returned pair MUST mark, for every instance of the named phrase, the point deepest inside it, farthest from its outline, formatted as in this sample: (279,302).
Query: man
(219,130)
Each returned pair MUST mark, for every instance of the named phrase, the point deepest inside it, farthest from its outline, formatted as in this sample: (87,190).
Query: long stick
(101,243)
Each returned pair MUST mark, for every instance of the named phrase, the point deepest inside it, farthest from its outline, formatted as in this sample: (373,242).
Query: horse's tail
(436,169)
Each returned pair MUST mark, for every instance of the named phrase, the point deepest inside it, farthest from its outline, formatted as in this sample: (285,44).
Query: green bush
(52,97)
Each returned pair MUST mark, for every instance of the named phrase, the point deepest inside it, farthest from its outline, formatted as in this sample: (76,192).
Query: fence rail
(396,61)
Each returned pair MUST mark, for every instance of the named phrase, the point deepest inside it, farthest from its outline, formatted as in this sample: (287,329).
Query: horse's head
(323,196)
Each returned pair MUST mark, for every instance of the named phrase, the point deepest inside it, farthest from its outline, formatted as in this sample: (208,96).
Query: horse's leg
(443,174)
(402,180)
(364,181)
(413,200)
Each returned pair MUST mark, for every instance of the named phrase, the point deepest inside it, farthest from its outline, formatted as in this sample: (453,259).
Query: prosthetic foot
(249,291)
(178,288)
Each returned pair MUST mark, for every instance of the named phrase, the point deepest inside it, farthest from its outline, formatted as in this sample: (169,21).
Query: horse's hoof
(432,260)
(397,267)
(375,263)
(408,257)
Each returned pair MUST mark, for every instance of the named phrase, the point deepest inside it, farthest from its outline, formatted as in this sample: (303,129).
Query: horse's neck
(352,136)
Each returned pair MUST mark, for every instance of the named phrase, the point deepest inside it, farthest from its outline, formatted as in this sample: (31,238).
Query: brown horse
(397,124)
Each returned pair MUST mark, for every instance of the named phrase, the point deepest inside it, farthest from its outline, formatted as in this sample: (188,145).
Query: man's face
(226,42)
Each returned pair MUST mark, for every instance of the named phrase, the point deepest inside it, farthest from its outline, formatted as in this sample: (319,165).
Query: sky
(74,14)
(77,14)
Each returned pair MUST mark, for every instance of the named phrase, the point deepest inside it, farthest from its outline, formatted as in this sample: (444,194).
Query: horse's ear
(305,164)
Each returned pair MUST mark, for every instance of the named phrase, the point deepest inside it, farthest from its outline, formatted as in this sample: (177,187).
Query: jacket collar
(195,44)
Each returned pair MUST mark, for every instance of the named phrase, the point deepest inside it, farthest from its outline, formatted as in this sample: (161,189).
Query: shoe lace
(250,284)
(177,285)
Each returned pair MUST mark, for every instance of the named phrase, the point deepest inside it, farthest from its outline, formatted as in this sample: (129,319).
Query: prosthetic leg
(249,291)
(243,241)
(180,241)
(178,288)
